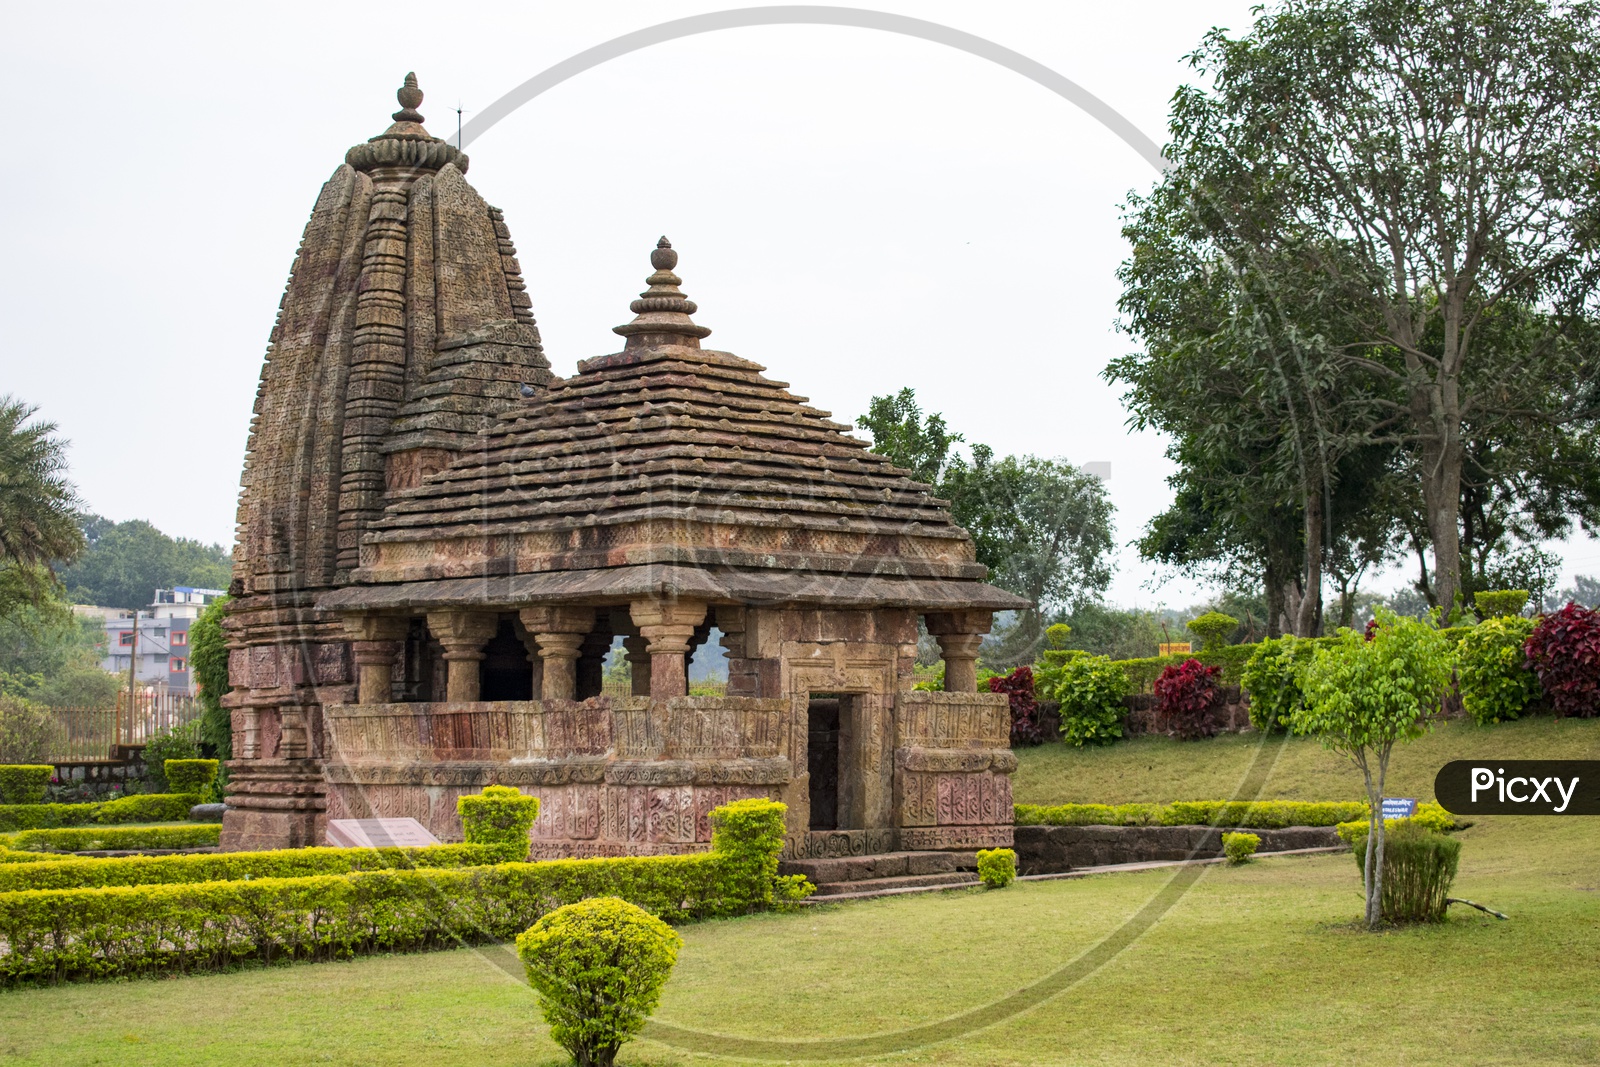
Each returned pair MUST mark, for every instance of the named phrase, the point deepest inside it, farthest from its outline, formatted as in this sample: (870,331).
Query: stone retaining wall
(1054,849)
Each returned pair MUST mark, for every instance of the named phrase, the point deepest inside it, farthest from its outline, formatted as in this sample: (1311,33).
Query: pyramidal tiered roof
(668,468)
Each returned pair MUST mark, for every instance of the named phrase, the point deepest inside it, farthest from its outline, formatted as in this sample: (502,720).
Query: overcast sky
(856,210)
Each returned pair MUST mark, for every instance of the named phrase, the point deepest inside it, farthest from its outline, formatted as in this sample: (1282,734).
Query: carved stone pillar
(295,740)
(960,633)
(669,626)
(559,633)
(638,651)
(530,641)
(375,641)
(249,746)
(463,635)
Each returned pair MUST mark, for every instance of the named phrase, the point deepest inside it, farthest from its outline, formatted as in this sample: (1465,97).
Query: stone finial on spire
(663,311)
(410,98)
(406,145)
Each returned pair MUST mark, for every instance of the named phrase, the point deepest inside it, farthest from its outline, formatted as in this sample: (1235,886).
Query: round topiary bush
(997,867)
(1213,629)
(598,967)
(1239,847)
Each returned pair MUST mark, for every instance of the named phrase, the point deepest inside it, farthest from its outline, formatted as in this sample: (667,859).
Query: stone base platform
(273,804)
(888,870)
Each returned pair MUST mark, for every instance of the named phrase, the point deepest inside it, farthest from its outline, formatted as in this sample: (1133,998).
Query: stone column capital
(461,631)
(557,619)
(958,622)
(674,613)
(376,627)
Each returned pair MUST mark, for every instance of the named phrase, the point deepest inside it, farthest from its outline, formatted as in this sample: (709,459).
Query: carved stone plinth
(274,803)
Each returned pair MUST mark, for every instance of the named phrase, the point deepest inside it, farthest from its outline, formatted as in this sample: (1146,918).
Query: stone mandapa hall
(440,541)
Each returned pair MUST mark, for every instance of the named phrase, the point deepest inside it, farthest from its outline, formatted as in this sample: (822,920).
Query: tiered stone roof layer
(668,469)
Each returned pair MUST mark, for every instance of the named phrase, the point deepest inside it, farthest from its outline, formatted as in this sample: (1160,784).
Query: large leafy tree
(126,562)
(1402,169)
(1041,526)
(38,507)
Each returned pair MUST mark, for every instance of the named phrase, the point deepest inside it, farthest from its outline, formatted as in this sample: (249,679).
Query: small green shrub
(1090,692)
(1213,629)
(1500,603)
(190,775)
(1272,678)
(178,743)
(1239,847)
(501,817)
(1419,866)
(148,807)
(202,835)
(598,968)
(1492,672)
(997,867)
(24,783)
(788,890)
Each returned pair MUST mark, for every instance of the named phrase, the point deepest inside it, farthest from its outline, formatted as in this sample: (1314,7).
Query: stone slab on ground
(1053,849)
(378,833)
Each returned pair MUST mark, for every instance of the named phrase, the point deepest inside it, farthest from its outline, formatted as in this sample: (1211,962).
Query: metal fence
(91,733)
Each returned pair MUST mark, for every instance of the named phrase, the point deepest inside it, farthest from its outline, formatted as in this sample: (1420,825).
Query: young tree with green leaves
(1364,696)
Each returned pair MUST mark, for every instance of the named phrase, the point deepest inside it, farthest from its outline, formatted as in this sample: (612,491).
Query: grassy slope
(1257,964)
(1159,769)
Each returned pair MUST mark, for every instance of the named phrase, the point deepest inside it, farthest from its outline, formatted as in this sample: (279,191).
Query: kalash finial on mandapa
(663,311)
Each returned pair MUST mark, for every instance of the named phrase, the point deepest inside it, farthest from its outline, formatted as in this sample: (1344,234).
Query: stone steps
(882,886)
(879,865)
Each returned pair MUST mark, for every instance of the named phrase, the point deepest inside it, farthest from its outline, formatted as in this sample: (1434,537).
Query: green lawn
(1259,964)
(1160,770)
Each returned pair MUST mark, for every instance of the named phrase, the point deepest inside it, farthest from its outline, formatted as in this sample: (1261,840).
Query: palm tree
(38,505)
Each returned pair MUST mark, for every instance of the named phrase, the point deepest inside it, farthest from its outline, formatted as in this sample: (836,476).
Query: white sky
(857,211)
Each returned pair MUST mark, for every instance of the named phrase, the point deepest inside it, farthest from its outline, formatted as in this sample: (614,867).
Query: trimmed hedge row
(142,807)
(1261,814)
(24,783)
(94,839)
(62,934)
(233,866)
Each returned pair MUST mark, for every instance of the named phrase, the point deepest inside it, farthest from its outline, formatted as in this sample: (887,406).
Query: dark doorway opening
(506,673)
(822,761)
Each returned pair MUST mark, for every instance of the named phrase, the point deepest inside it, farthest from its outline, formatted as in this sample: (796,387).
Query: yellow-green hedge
(89,873)
(62,934)
(1261,814)
(98,838)
(141,807)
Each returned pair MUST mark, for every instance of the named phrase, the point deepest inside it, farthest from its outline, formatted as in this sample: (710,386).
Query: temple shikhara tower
(440,543)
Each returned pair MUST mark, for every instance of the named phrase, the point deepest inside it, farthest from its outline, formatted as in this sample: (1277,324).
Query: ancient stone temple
(440,544)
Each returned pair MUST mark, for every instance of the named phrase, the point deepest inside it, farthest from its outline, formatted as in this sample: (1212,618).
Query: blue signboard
(1399,807)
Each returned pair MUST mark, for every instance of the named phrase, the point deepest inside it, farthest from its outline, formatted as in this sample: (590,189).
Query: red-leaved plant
(1018,687)
(1187,700)
(1564,651)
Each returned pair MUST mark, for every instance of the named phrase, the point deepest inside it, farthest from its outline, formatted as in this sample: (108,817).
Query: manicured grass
(1258,964)
(1160,770)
